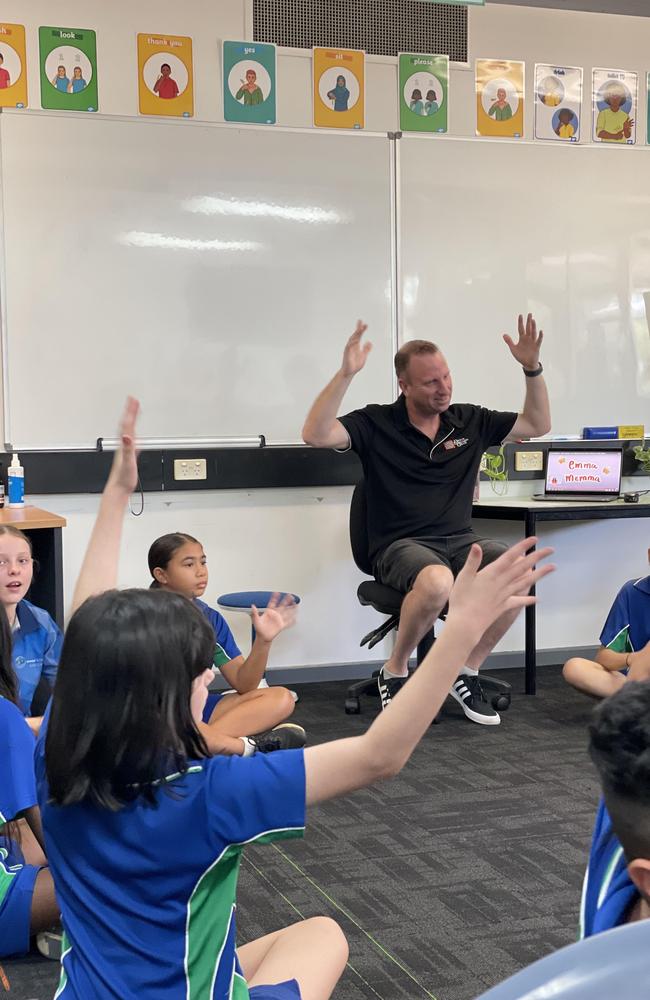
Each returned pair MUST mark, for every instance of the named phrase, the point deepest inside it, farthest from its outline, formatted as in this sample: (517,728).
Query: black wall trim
(239,468)
(227,468)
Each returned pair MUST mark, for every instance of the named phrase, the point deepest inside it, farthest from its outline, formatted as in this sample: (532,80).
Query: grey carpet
(456,874)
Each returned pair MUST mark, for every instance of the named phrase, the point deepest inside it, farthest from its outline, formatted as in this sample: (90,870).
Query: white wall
(297,539)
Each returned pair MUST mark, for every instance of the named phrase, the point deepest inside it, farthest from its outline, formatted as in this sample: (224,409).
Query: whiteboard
(214,272)
(491,229)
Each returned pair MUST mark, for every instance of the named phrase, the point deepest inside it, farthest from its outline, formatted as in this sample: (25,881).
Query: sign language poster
(13,66)
(68,69)
(165,75)
(500,98)
(423,92)
(614,100)
(339,88)
(249,82)
(558,102)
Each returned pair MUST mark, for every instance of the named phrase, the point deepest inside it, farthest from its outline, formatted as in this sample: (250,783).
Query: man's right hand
(355,353)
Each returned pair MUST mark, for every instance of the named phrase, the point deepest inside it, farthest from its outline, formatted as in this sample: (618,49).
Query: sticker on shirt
(451,443)
(68,59)
(500,98)
(165,75)
(338,84)
(558,102)
(423,92)
(249,82)
(13,66)
(614,106)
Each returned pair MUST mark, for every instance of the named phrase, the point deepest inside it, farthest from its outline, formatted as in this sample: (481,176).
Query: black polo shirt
(416,487)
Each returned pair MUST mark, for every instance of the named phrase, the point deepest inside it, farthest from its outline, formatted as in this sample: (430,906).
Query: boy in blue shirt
(624,652)
(617,881)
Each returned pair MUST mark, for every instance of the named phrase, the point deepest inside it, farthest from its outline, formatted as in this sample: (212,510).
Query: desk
(44,532)
(532,513)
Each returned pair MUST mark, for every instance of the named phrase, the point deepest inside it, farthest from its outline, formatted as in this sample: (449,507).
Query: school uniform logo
(452,443)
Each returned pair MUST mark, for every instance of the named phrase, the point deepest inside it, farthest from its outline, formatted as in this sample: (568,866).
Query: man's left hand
(526,349)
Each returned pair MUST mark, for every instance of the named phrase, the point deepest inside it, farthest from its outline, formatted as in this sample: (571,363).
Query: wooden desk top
(28,517)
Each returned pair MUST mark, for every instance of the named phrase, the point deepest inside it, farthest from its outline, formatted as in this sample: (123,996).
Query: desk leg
(530,643)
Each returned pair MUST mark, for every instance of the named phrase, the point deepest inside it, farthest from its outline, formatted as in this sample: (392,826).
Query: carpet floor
(446,880)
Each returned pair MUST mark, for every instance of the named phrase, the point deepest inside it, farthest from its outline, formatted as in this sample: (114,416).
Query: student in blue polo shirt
(178,564)
(145,830)
(617,882)
(624,652)
(27,903)
(36,637)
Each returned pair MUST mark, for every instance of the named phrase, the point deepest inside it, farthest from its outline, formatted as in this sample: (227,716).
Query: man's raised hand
(529,342)
(355,353)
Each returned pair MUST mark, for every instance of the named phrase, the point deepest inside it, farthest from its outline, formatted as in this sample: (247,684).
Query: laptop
(584,475)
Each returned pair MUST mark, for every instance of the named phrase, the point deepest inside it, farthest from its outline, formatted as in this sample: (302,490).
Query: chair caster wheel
(352,706)
(501,702)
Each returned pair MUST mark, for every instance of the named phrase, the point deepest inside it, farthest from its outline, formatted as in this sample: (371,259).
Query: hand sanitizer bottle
(16,480)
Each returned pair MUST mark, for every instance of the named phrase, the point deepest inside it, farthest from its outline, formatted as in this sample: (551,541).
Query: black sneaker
(388,688)
(469,693)
(287,736)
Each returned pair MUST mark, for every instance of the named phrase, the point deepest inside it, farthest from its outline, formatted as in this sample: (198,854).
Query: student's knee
(283,701)
(574,668)
(433,584)
(569,669)
(332,937)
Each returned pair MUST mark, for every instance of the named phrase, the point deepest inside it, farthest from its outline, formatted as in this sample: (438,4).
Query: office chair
(388,601)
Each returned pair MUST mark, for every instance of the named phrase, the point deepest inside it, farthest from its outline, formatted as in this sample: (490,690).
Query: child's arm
(476,601)
(611,660)
(245,675)
(638,662)
(99,568)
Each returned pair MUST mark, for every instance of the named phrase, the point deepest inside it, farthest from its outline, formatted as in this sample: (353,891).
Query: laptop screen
(583,471)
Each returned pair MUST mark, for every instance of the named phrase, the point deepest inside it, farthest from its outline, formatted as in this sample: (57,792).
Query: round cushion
(242,600)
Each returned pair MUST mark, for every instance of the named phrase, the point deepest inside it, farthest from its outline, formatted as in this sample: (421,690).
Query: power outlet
(190,468)
(529,461)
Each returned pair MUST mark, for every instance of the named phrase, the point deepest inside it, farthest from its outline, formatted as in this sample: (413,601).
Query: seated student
(178,563)
(617,882)
(27,903)
(624,652)
(145,829)
(36,637)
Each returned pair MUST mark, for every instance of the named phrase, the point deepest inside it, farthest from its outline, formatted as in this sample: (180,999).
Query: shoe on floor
(287,736)
(468,691)
(389,687)
(49,943)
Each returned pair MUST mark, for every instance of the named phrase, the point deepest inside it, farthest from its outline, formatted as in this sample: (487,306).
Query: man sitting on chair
(420,458)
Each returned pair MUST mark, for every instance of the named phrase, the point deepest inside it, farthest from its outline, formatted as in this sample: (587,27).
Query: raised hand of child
(280,613)
(478,598)
(124,471)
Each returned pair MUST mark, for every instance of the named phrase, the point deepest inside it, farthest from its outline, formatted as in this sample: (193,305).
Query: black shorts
(399,563)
